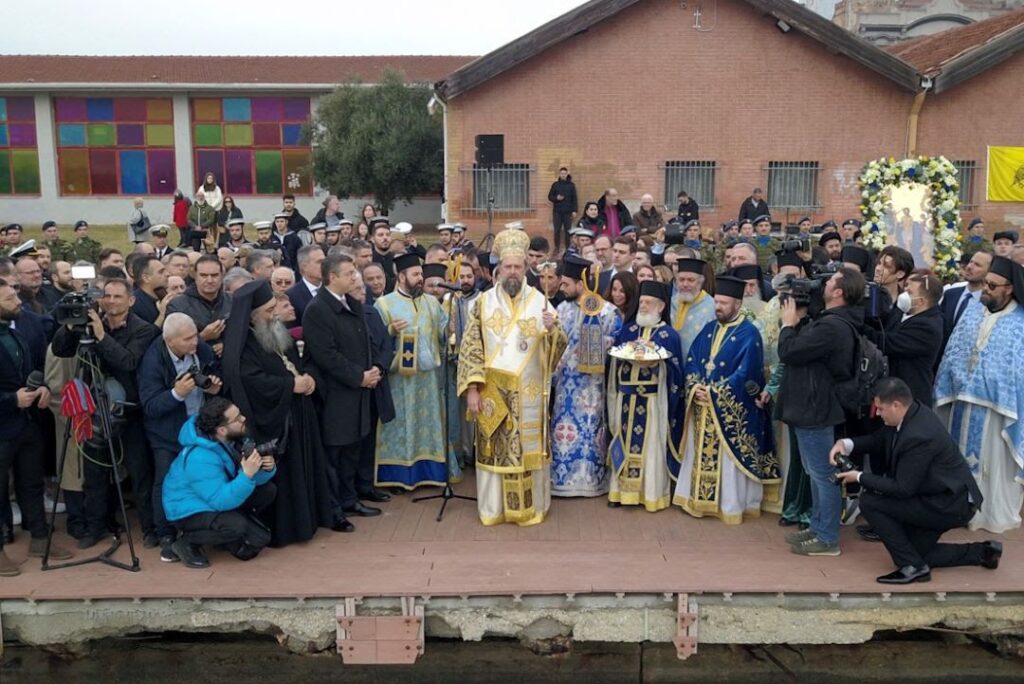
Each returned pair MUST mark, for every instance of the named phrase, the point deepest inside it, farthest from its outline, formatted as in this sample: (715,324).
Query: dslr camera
(843,465)
(268,448)
(199,376)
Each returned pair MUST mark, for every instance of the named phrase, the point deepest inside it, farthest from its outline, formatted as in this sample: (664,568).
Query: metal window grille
(697,178)
(508,184)
(793,185)
(965,175)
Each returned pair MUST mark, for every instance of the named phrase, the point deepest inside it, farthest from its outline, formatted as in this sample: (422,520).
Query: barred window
(697,178)
(965,175)
(793,185)
(508,184)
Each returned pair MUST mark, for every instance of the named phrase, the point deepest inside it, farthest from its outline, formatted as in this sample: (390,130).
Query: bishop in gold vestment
(508,348)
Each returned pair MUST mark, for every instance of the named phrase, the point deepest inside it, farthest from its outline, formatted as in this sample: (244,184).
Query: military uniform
(85,249)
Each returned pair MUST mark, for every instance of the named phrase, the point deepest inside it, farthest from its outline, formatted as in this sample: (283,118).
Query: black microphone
(448,286)
(35,380)
(753,389)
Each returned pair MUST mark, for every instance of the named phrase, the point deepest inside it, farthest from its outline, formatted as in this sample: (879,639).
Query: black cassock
(303,500)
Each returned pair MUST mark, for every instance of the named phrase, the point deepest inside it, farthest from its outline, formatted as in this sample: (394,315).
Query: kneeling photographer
(818,354)
(930,489)
(217,485)
(119,339)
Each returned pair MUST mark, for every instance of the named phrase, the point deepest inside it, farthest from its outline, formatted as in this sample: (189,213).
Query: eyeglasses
(992,286)
(282,282)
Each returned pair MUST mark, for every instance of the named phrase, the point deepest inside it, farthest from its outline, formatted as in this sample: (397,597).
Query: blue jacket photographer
(929,489)
(818,354)
(216,486)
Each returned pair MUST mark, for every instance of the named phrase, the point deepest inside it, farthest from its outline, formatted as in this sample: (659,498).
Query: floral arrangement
(940,175)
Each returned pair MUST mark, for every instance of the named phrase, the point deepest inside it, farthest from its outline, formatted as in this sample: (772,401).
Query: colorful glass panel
(239,171)
(19,159)
(132,169)
(74,172)
(6,186)
(103,171)
(25,169)
(160,167)
(269,178)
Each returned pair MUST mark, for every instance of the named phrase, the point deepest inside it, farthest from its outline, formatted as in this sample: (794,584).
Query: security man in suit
(928,491)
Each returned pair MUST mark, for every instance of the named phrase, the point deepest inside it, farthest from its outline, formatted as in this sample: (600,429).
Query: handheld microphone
(753,389)
(35,380)
(448,286)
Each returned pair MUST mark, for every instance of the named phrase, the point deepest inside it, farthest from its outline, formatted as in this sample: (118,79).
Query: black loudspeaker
(490,150)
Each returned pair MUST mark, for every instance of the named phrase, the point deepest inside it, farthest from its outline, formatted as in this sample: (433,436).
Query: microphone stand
(448,493)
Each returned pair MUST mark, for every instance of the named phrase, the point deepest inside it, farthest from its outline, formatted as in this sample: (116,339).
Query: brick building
(719,96)
(77,132)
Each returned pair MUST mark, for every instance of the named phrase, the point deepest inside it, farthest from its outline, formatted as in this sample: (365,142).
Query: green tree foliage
(377,141)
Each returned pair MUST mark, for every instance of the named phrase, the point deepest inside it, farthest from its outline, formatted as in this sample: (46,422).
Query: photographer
(170,396)
(213,490)
(930,490)
(817,354)
(22,349)
(121,338)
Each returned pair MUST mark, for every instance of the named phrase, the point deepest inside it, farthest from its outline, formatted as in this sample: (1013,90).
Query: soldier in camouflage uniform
(975,240)
(765,244)
(11,237)
(60,250)
(84,248)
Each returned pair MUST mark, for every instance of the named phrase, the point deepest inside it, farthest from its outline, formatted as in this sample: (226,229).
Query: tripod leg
(53,509)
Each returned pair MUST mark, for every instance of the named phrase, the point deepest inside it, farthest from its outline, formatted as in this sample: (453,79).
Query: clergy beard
(687,297)
(415,292)
(272,336)
(511,285)
(648,320)
(994,306)
(752,301)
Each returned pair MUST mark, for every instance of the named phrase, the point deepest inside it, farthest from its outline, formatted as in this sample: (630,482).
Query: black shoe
(343,525)
(167,554)
(786,522)
(77,531)
(7,535)
(867,533)
(397,491)
(375,495)
(614,504)
(150,541)
(906,575)
(89,541)
(190,555)
(362,511)
(991,552)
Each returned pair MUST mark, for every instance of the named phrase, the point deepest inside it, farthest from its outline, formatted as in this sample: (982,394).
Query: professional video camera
(796,245)
(807,292)
(73,309)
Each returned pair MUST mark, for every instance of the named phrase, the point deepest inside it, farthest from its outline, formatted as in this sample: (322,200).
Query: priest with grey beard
(263,376)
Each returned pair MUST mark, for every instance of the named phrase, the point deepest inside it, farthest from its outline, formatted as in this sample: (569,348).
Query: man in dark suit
(956,298)
(341,359)
(22,350)
(302,292)
(753,206)
(930,489)
(913,341)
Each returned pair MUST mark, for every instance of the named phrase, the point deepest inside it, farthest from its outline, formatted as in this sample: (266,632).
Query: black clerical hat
(1013,272)
(745,272)
(404,261)
(573,266)
(730,286)
(788,259)
(435,271)
(690,266)
(856,255)
(652,288)
(1010,235)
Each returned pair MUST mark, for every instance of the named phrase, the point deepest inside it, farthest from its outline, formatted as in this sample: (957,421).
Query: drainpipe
(915,113)
(432,106)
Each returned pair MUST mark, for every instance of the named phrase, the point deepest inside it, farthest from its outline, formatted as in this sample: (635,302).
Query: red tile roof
(27,69)
(928,54)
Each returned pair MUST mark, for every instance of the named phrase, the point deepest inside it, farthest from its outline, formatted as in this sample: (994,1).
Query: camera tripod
(90,374)
(448,493)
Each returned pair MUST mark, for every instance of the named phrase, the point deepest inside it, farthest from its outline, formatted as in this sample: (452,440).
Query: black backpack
(857,393)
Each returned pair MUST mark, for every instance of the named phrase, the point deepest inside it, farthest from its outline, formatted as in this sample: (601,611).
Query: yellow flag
(1006,174)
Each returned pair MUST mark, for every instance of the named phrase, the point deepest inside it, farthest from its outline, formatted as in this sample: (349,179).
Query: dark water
(918,657)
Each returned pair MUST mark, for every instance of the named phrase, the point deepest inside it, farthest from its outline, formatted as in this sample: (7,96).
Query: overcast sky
(272,27)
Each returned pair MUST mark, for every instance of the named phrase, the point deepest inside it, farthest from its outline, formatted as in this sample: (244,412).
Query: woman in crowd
(592,219)
(180,213)
(624,293)
(227,211)
(214,196)
(646,272)
(365,214)
(663,274)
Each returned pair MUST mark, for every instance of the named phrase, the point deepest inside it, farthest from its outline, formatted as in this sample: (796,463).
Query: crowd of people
(269,378)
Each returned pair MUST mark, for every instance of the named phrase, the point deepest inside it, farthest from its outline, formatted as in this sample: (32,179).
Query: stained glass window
(115,146)
(252,144)
(19,160)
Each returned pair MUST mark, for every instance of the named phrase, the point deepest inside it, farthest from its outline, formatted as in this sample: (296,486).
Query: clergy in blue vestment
(979,394)
(643,408)
(410,448)
(727,449)
(692,307)
(578,433)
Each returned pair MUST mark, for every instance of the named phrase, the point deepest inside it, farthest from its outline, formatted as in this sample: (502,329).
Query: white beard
(648,320)
(687,297)
(273,337)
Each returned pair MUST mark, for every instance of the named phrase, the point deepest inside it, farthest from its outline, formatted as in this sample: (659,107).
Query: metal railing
(793,185)
(697,178)
(508,185)
(966,176)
